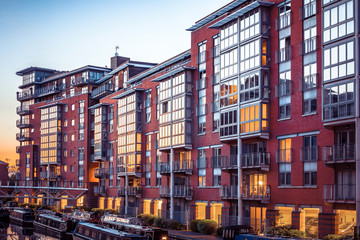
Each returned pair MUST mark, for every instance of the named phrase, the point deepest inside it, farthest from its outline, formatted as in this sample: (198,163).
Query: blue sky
(68,34)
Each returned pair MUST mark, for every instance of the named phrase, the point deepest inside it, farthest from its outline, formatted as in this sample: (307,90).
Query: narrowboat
(22,231)
(22,217)
(129,226)
(77,216)
(89,231)
(54,226)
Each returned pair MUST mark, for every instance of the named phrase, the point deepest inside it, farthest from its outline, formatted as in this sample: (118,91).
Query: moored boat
(131,226)
(22,217)
(77,216)
(88,231)
(54,226)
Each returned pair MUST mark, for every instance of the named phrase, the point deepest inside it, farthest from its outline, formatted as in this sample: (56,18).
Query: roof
(81,69)
(171,73)
(123,66)
(239,13)
(127,92)
(157,68)
(31,69)
(215,14)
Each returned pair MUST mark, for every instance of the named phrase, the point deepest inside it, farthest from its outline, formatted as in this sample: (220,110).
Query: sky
(69,34)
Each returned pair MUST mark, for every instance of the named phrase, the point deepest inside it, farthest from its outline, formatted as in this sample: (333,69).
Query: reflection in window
(250,25)
(339,101)
(229,35)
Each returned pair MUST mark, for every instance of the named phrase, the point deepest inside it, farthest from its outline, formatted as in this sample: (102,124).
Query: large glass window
(338,21)
(339,101)
(229,35)
(202,167)
(309,88)
(339,61)
(250,25)
(309,8)
(250,55)
(228,123)
(148,106)
(229,63)
(202,111)
(310,40)
(284,16)
(254,118)
(228,91)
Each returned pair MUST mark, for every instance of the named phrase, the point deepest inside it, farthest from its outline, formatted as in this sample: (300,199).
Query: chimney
(117,61)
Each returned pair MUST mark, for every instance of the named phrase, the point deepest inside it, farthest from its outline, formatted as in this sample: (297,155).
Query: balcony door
(344,144)
(345,185)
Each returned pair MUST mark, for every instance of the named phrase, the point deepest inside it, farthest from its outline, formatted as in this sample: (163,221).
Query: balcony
(102,91)
(23,110)
(308,46)
(180,191)
(229,162)
(18,149)
(18,162)
(24,95)
(283,54)
(24,123)
(339,154)
(129,170)
(185,167)
(229,192)
(101,172)
(261,193)
(164,167)
(99,156)
(53,175)
(100,191)
(47,91)
(342,193)
(131,191)
(255,160)
(283,21)
(22,137)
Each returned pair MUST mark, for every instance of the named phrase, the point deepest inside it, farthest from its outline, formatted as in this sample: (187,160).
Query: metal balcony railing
(261,192)
(101,172)
(22,137)
(283,21)
(47,90)
(283,54)
(255,160)
(22,110)
(183,167)
(102,91)
(100,191)
(179,191)
(23,123)
(284,155)
(229,162)
(340,193)
(309,154)
(131,191)
(130,170)
(53,175)
(164,167)
(229,192)
(27,94)
(309,45)
(339,153)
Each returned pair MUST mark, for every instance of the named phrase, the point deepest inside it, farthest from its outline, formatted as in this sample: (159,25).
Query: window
(81,154)
(338,21)
(339,101)
(309,87)
(148,106)
(284,152)
(250,25)
(66,108)
(310,173)
(284,16)
(71,168)
(284,52)
(339,61)
(202,111)
(157,102)
(284,93)
(72,137)
(202,168)
(125,75)
(310,149)
(202,53)
(310,40)
(228,123)
(200,210)
(72,153)
(250,86)
(147,179)
(229,35)
(65,153)
(65,138)
(72,92)
(65,168)
(309,8)
(165,107)
(285,174)
(116,82)
(216,167)
(250,55)
(65,123)
(72,107)
(72,122)
(254,118)
(228,93)
(229,64)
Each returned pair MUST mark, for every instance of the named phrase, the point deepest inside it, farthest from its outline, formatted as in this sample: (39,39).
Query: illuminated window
(157,208)
(285,215)
(102,202)
(309,218)
(215,212)
(110,203)
(200,210)
(64,201)
(347,219)
(146,206)
(254,118)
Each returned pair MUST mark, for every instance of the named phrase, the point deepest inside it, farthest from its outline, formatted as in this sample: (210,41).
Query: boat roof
(112,231)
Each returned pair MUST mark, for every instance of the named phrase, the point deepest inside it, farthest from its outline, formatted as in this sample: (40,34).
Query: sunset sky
(68,34)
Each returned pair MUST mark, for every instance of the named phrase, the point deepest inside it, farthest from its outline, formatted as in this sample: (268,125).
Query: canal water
(14,232)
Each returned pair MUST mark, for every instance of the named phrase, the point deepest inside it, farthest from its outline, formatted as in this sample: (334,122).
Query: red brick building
(257,123)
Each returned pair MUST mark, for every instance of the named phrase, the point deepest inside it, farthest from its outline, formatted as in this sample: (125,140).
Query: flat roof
(31,69)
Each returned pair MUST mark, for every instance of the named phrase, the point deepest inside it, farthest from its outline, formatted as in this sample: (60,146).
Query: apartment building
(257,123)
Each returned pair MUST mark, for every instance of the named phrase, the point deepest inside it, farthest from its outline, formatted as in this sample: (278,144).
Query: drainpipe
(357,121)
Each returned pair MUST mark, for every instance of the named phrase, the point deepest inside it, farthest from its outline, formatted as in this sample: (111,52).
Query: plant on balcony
(284,231)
